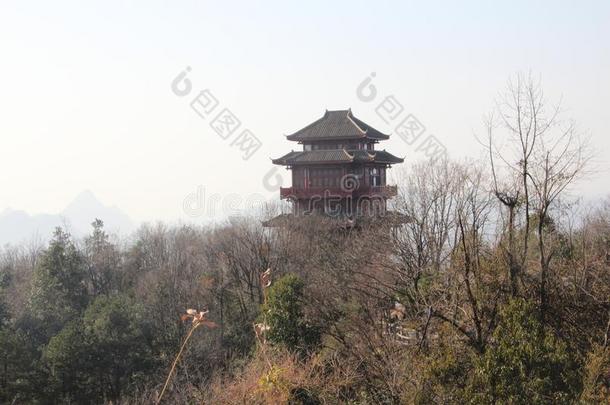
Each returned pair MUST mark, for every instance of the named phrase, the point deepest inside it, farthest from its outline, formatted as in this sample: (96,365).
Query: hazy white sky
(86,102)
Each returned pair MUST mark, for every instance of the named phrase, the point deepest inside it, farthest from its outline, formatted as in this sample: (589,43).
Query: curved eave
(297,158)
(320,162)
(378,134)
(390,161)
(285,162)
(282,162)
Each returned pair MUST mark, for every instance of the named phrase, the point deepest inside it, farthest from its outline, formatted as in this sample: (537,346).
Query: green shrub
(283,312)
(525,363)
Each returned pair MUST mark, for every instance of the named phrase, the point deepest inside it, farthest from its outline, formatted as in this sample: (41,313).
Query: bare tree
(545,155)
(449,206)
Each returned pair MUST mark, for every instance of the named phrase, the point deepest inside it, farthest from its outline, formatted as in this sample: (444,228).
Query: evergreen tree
(102,354)
(525,364)
(283,313)
(103,261)
(119,339)
(59,293)
(70,364)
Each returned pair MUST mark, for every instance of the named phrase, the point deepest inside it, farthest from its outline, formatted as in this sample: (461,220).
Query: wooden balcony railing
(330,192)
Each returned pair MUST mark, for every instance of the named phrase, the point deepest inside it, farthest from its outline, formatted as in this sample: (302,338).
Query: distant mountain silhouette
(18,226)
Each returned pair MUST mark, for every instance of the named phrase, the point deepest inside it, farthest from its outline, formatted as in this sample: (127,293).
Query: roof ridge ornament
(348,155)
(356,125)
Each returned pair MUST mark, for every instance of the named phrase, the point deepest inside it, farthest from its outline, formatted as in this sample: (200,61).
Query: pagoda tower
(339,172)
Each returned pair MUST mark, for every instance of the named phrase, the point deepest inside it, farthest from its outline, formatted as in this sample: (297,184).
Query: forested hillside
(496,290)
(426,313)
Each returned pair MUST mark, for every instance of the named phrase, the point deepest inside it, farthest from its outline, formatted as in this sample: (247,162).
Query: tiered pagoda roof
(338,173)
(337,156)
(337,125)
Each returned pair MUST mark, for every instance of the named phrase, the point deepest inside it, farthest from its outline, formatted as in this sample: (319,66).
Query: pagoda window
(307,147)
(326,177)
(329,146)
(375,176)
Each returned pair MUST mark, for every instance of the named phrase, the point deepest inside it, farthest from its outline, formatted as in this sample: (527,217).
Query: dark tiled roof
(337,156)
(340,124)
(334,155)
(382,156)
